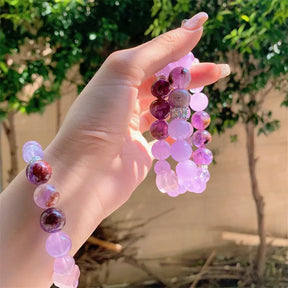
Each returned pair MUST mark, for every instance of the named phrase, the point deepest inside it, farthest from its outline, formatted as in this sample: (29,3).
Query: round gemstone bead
(201,138)
(160,88)
(179,77)
(179,98)
(204,173)
(161,150)
(196,90)
(198,185)
(179,191)
(200,120)
(58,244)
(159,130)
(52,220)
(181,150)
(69,280)
(161,167)
(38,172)
(202,156)
(185,171)
(64,265)
(30,150)
(198,101)
(160,109)
(182,113)
(180,129)
(46,196)
(167,182)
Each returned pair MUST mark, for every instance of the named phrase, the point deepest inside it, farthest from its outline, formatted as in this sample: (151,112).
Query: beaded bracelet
(52,220)
(172,99)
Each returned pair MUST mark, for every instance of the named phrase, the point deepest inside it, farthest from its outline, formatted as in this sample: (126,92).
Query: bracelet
(172,99)
(52,220)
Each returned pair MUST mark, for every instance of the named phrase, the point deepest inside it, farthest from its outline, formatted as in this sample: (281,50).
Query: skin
(98,157)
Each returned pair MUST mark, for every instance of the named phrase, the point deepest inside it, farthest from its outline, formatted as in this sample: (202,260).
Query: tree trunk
(9,128)
(259,202)
(1,170)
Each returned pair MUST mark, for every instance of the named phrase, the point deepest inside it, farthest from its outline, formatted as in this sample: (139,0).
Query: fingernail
(224,70)
(195,22)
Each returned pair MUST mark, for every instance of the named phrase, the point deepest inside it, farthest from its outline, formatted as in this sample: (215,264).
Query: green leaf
(245,18)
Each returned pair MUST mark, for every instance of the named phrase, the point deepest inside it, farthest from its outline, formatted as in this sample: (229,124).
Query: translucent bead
(200,120)
(201,138)
(38,172)
(46,196)
(160,88)
(179,98)
(197,185)
(159,130)
(196,90)
(181,190)
(180,129)
(180,150)
(161,167)
(198,101)
(185,171)
(52,220)
(182,113)
(204,173)
(202,156)
(160,109)
(31,149)
(161,150)
(58,244)
(167,182)
(179,77)
(64,265)
(69,280)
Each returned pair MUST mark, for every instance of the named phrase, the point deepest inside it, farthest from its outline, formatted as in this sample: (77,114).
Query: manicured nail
(195,22)
(224,70)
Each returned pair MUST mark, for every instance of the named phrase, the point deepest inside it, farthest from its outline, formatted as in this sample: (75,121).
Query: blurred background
(232,235)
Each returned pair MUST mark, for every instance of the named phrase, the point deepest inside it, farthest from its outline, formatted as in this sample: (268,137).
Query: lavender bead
(179,77)
(69,280)
(196,90)
(182,113)
(179,98)
(201,138)
(180,129)
(197,185)
(179,191)
(159,130)
(161,150)
(58,244)
(204,173)
(160,109)
(39,172)
(167,182)
(46,196)
(52,220)
(198,101)
(162,167)
(64,265)
(180,150)
(186,171)
(160,88)
(30,150)
(200,120)
(202,156)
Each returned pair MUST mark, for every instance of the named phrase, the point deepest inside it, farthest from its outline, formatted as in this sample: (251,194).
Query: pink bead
(64,265)
(167,182)
(162,167)
(181,190)
(204,173)
(46,196)
(196,90)
(58,244)
(202,156)
(161,150)
(197,185)
(181,150)
(198,101)
(30,150)
(180,129)
(186,170)
(69,280)
(200,120)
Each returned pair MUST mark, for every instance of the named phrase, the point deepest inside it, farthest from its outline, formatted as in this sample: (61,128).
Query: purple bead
(46,196)
(167,182)
(179,98)
(180,150)
(180,129)
(179,191)
(179,77)
(182,113)
(69,280)
(160,88)
(161,150)
(161,167)
(64,265)
(52,220)
(185,171)
(201,138)
(160,109)
(204,173)
(200,120)
(196,90)
(38,172)
(58,244)
(197,185)
(198,101)
(159,130)
(202,156)
(30,150)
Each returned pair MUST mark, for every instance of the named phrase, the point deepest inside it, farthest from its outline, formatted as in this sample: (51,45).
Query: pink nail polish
(195,22)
